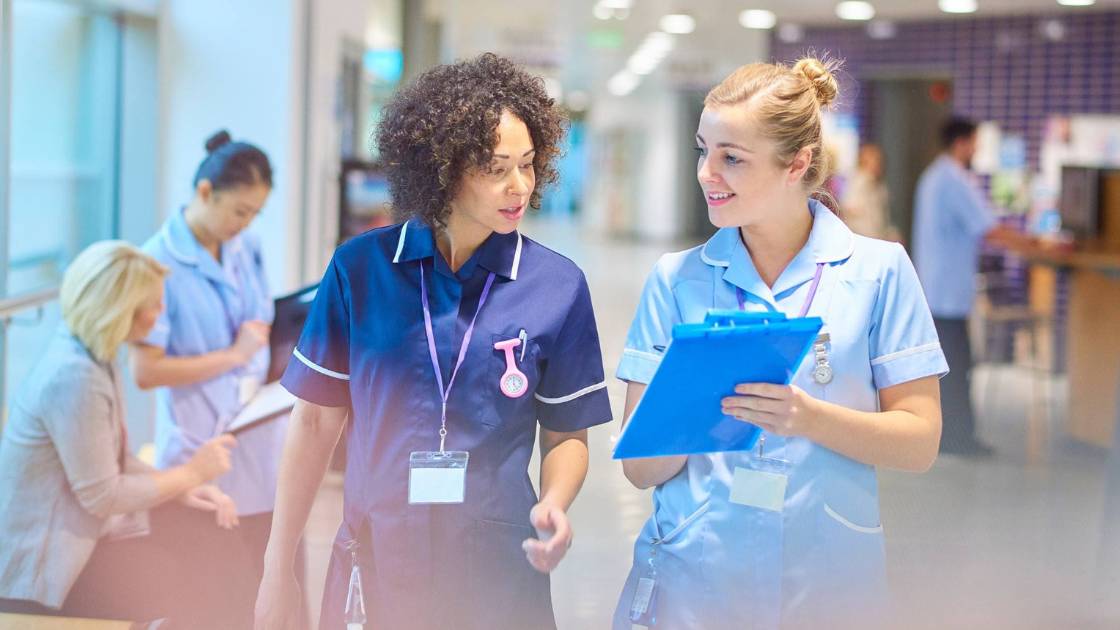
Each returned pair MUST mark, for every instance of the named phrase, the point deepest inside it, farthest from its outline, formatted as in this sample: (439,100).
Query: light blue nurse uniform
(820,561)
(206,303)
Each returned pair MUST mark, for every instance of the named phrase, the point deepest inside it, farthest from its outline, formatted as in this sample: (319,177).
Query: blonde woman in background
(87,529)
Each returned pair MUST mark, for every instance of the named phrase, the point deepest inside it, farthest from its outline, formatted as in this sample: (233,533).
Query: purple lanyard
(445,393)
(808,299)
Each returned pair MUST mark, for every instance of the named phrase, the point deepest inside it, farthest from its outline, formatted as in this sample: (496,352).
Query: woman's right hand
(278,601)
(251,337)
(211,460)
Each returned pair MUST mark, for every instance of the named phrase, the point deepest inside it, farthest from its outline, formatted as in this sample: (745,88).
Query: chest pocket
(524,359)
(847,350)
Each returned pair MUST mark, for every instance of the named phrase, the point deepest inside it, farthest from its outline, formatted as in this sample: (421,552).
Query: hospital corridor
(594,315)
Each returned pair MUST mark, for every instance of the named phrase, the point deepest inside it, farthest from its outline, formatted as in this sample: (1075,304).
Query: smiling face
(738,169)
(494,198)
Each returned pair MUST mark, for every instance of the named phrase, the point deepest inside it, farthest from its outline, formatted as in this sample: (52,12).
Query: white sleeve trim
(322,370)
(905,353)
(648,356)
(850,525)
(571,397)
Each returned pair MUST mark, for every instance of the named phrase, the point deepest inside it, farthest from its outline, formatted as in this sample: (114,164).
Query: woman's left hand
(210,499)
(555,535)
(778,409)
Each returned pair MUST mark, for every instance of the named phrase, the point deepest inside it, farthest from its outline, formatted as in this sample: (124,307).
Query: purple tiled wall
(1003,68)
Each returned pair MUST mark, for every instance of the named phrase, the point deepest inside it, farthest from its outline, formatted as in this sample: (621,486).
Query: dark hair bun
(217,141)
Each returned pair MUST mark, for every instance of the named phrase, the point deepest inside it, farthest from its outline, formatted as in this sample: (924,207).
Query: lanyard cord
(445,393)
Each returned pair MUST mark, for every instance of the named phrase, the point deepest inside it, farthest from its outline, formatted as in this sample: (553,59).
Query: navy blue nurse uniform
(364,347)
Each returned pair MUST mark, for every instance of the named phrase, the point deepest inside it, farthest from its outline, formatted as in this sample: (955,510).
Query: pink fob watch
(514,383)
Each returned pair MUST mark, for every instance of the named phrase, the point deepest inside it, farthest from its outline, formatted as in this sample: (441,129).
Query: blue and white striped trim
(322,370)
(905,353)
(570,397)
(850,525)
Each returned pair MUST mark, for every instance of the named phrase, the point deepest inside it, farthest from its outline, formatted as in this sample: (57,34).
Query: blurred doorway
(909,111)
(696,226)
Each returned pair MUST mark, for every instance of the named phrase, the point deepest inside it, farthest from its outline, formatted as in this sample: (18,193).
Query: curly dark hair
(446,121)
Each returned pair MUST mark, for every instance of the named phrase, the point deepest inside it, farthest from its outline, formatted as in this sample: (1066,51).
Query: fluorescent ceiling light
(791,33)
(1052,30)
(656,44)
(623,83)
(855,11)
(881,29)
(678,24)
(601,12)
(758,18)
(615,4)
(658,39)
(642,65)
(957,6)
(1077,3)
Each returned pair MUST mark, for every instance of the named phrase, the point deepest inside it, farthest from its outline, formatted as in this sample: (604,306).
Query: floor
(998,543)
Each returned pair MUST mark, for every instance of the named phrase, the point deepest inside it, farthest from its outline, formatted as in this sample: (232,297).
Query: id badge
(761,484)
(435,477)
(643,609)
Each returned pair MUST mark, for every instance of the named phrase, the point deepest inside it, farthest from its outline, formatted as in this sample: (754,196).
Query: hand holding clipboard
(681,411)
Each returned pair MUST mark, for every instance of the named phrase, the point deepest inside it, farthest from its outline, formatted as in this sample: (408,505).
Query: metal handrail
(25,302)
(9,308)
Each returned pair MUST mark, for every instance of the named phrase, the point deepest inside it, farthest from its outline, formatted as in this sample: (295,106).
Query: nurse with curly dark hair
(439,345)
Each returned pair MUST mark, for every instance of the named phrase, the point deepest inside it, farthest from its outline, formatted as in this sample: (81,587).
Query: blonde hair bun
(819,74)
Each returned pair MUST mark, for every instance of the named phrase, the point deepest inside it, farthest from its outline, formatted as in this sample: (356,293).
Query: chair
(1007,329)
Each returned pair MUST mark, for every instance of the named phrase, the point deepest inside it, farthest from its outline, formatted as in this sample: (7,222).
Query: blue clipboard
(679,414)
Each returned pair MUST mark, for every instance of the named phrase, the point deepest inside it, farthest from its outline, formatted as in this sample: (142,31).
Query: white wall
(237,66)
(333,25)
(241,66)
(657,125)
(645,192)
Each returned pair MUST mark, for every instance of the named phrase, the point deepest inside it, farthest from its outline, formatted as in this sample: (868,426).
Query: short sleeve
(572,393)
(320,370)
(904,345)
(652,328)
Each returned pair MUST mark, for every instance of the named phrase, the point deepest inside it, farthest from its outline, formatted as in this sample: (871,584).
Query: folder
(269,403)
(680,412)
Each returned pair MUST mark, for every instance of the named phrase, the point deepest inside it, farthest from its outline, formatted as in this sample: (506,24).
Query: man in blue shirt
(951,221)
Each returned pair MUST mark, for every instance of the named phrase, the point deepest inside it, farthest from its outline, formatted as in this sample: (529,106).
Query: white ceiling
(554,35)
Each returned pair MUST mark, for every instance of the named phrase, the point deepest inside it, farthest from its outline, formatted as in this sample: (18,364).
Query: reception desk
(1092,332)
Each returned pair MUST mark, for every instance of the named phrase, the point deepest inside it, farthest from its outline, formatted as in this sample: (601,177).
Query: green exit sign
(605,39)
